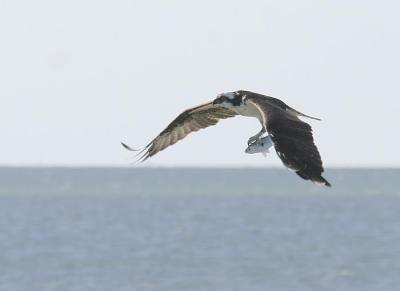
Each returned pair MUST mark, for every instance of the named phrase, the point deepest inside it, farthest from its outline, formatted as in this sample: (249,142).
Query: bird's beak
(218,100)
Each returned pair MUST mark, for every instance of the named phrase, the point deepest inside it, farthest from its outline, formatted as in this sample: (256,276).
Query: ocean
(173,229)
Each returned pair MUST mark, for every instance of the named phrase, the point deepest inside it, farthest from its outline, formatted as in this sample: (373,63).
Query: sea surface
(198,229)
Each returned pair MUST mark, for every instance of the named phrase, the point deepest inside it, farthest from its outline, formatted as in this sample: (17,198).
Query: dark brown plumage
(293,140)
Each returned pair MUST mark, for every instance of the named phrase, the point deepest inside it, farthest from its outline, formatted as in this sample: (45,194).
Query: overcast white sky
(79,76)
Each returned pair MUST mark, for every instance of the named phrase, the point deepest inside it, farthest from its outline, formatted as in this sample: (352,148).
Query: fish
(261,145)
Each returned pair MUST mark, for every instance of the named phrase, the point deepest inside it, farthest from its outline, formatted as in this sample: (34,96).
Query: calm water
(198,229)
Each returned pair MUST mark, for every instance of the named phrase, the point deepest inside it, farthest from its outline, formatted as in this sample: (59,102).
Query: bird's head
(230,99)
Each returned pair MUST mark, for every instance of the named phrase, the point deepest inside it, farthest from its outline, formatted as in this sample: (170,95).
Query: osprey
(291,137)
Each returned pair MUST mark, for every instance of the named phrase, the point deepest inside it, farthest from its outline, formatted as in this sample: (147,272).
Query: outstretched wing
(293,141)
(192,119)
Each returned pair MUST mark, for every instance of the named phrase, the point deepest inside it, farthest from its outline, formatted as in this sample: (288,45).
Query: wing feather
(191,120)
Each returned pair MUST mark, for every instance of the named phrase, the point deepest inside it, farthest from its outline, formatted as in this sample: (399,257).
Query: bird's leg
(256,137)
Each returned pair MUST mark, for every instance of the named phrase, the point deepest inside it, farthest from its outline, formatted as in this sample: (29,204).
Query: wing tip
(311,117)
(322,181)
(327,184)
(128,147)
(318,180)
(298,113)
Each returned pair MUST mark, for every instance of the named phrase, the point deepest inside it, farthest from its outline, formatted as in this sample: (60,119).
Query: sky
(78,77)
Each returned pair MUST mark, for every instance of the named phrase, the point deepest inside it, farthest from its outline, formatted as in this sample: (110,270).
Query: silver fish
(260,146)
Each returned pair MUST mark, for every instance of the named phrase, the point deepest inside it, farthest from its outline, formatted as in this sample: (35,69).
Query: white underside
(248,110)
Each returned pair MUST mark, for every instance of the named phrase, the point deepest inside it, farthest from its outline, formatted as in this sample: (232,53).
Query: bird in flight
(291,137)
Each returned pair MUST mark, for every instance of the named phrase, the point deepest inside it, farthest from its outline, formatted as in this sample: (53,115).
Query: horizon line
(128,167)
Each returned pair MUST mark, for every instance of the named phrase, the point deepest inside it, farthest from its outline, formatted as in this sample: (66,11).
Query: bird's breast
(249,110)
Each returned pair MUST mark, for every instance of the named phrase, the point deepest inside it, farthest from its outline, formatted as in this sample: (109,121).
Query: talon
(255,138)
(251,141)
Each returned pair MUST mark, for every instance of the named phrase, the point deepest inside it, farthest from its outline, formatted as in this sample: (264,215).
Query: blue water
(198,229)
